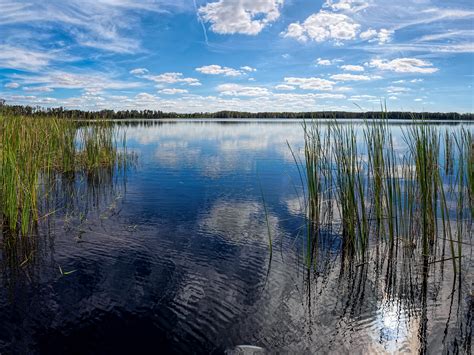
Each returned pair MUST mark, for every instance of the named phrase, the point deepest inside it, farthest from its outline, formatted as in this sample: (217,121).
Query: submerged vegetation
(369,189)
(37,153)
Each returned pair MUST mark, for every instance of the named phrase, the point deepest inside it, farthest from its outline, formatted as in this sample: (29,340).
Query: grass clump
(33,151)
(384,193)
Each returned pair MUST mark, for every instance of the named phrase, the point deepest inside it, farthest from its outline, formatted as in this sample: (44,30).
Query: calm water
(174,257)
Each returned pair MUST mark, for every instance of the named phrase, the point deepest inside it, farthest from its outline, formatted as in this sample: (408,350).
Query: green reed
(33,150)
(384,194)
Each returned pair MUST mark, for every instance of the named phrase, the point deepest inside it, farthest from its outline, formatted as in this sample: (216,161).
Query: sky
(244,55)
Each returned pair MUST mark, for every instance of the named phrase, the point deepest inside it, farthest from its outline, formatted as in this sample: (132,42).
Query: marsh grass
(35,151)
(387,195)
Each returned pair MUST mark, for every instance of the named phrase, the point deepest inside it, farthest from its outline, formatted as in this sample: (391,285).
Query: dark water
(174,258)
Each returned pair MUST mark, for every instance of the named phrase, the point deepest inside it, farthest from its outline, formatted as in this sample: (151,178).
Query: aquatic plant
(33,151)
(384,194)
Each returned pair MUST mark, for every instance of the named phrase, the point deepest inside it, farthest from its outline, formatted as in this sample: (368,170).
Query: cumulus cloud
(345,5)
(215,69)
(404,65)
(324,26)
(241,90)
(381,36)
(248,17)
(247,68)
(193,103)
(324,62)
(172,78)
(311,83)
(173,91)
(352,67)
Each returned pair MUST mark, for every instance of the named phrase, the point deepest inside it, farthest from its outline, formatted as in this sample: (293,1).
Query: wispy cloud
(90,81)
(103,24)
(23,59)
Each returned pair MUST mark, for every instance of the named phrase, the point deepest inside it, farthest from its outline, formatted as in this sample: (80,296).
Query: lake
(172,255)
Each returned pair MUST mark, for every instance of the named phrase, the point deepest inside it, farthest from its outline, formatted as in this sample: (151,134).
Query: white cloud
(284,87)
(418,100)
(382,36)
(447,35)
(138,71)
(311,83)
(248,17)
(24,59)
(385,35)
(172,78)
(350,77)
(173,91)
(345,5)
(368,34)
(271,102)
(362,97)
(435,14)
(218,70)
(102,24)
(397,89)
(324,26)
(404,65)
(352,67)
(247,68)
(38,89)
(241,90)
(329,96)
(324,62)
(90,82)
(12,85)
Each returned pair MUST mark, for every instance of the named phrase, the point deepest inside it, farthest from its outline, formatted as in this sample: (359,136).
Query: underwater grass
(34,150)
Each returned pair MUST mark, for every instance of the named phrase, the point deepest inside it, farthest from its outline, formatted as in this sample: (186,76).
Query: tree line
(153,114)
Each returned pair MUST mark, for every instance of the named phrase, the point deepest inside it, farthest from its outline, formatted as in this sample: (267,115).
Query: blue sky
(247,55)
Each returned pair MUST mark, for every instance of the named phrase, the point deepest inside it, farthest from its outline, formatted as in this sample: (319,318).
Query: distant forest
(151,114)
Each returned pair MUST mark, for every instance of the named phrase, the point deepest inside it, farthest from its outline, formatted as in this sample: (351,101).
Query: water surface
(174,257)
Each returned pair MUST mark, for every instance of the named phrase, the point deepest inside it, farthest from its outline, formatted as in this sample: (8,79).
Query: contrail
(201,22)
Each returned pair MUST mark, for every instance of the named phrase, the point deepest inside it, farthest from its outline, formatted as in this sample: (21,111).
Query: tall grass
(385,194)
(34,150)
